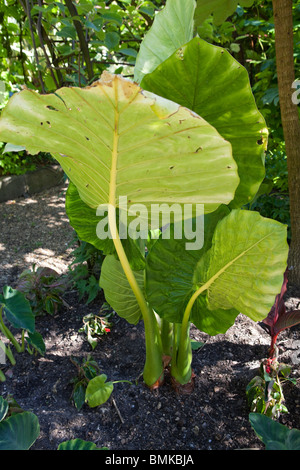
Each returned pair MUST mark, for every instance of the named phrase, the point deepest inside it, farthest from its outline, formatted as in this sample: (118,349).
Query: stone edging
(12,187)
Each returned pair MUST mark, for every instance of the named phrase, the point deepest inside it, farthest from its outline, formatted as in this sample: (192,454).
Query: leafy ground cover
(215,416)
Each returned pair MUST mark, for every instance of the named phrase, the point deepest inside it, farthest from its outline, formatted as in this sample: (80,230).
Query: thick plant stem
(181,369)
(153,368)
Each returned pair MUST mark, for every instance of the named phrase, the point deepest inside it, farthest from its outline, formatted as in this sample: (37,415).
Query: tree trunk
(283,19)
(80,33)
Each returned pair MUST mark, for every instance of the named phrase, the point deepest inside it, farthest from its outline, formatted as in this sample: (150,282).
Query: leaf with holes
(113,139)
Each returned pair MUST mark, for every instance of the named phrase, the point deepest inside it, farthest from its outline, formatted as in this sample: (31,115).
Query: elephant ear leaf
(114,139)
(238,270)
(169,281)
(208,80)
(244,267)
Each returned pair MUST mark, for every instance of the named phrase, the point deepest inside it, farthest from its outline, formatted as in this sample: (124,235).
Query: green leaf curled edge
(172,27)
(98,391)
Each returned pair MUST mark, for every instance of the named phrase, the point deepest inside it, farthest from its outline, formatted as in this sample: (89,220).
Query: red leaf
(278,310)
(288,320)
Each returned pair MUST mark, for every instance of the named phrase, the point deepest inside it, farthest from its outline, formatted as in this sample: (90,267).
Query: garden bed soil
(213,417)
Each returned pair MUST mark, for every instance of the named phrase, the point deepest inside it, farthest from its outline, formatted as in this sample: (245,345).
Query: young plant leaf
(98,391)
(171,29)
(114,139)
(227,103)
(117,290)
(17,309)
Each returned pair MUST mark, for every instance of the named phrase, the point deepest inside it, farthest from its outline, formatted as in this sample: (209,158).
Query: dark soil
(213,417)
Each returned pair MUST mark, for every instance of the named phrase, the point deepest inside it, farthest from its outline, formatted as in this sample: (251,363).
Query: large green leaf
(221,9)
(172,27)
(208,80)
(114,139)
(117,290)
(240,269)
(17,309)
(170,270)
(19,431)
(244,267)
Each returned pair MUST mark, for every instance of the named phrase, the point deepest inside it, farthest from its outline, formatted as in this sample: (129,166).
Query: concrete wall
(12,187)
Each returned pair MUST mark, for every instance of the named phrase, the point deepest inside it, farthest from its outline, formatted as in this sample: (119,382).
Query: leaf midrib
(208,283)
(114,160)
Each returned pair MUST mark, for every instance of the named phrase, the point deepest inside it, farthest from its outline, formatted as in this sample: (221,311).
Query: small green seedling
(95,326)
(89,386)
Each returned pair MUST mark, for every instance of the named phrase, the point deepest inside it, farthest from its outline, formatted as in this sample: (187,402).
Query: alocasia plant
(197,141)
